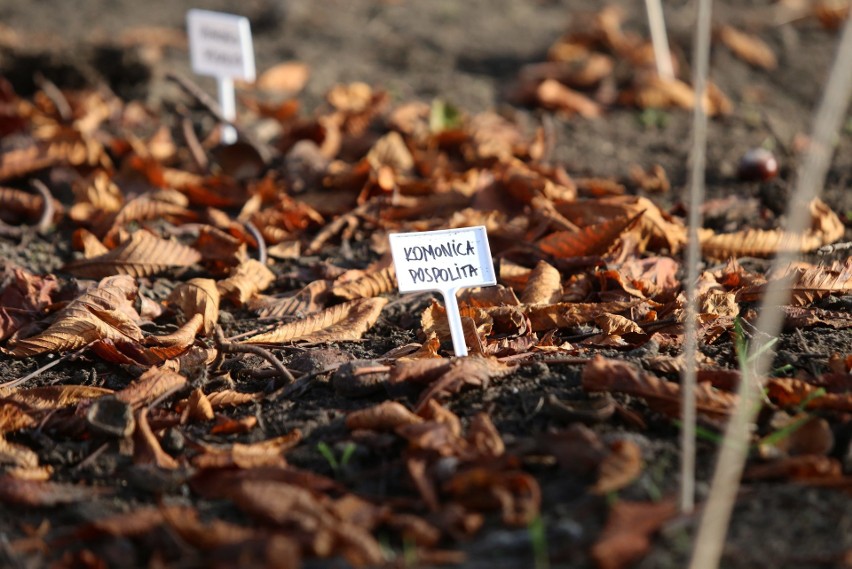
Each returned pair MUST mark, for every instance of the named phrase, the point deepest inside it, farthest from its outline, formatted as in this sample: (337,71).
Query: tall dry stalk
(811,177)
(700,66)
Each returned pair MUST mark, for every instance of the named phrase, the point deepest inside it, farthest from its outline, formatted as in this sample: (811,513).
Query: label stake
(445,261)
(220,45)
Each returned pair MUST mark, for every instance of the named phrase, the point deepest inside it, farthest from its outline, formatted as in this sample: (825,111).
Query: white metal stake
(451,304)
(228,102)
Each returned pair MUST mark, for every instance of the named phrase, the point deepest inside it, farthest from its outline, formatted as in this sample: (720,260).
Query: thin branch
(659,39)
(732,456)
(53,93)
(226,347)
(198,154)
(210,104)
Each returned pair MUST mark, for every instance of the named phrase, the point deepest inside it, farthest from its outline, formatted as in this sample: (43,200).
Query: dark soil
(466,53)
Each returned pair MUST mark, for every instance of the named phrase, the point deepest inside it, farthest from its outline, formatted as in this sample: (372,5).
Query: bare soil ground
(467,53)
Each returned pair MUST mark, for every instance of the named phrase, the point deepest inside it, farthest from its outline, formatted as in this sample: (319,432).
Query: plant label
(445,260)
(220,45)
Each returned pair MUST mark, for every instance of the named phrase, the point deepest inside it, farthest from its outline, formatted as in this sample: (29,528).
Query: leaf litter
(588,278)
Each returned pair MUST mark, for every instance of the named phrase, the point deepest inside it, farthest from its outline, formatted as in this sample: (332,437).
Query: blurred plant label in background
(220,45)
(444,260)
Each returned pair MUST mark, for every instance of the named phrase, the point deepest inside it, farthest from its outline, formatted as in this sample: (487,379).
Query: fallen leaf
(44,494)
(101,313)
(368,286)
(747,47)
(248,279)
(150,385)
(198,296)
(619,468)
(664,396)
(544,285)
(592,240)
(385,416)
(626,538)
(347,321)
(288,77)
(142,255)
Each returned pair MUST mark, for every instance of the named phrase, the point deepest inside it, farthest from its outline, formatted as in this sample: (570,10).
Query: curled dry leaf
(150,385)
(553,95)
(172,345)
(619,468)
(44,494)
(544,285)
(826,227)
(198,296)
(287,77)
(199,406)
(144,254)
(473,370)
(347,321)
(306,301)
(592,240)
(615,325)
(268,453)
(103,313)
(57,396)
(747,47)
(14,418)
(626,537)
(789,392)
(146,446)
(807,467)
(601,374)
(569,314)
(385,416)
(250,278)
(368,286)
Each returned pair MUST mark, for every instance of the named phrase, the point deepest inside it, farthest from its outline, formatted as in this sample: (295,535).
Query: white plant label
(445,260)
(220,45)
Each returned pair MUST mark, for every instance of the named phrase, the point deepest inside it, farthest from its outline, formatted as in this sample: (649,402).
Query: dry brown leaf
(104,312)
(789,392)
(230,398)
(198,296)
(368,286)
(268,453)
(288,77)
(615,325)
(347,321)
(602,374)
(619,468)
(473,370)
(146,446)
(516,494)
(626,538)
(568,314)
(385,416)
(44,494)
(484,438)
(592,240)
(808,467)
(306,301)
(826,227)
(553,95)
(17,455)
(172,345)
(142,255)
(544,285)
(391,151)
(14,418)
(199,407)
(748,47)
(87,242)
(57,396)
(150,385)
(250,278)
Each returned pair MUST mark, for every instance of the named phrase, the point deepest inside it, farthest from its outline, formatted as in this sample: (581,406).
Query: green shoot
(338,466)
(443,116)
(538,540)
